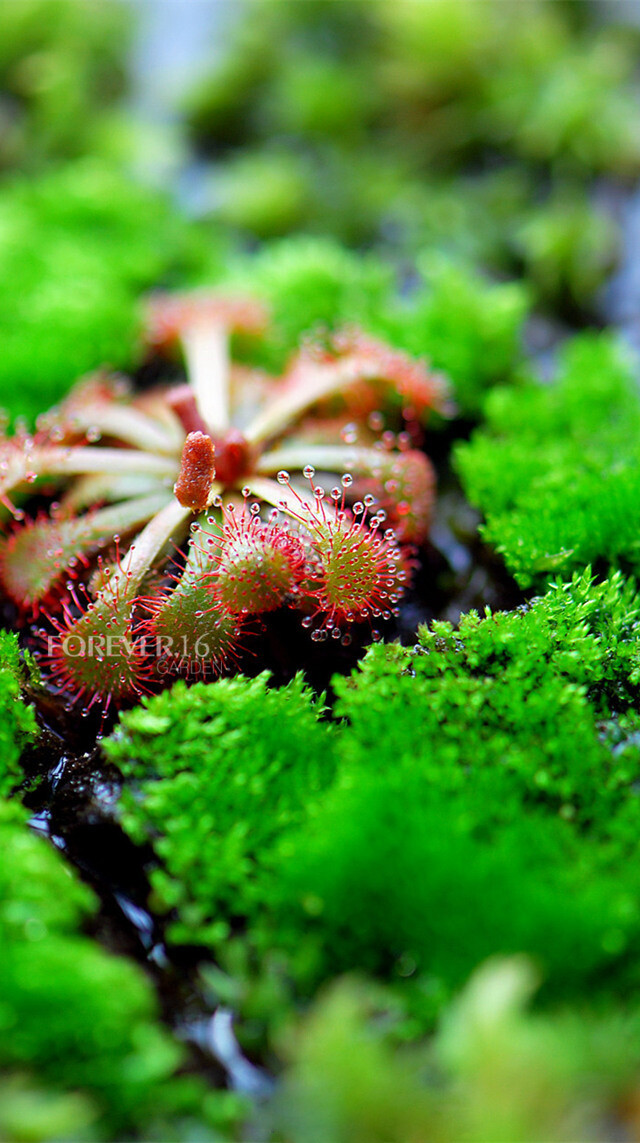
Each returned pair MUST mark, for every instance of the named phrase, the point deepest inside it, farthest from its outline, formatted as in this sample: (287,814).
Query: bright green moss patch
(77,1024)
(479,797)
(556,471)
(17,721)
(77,247)
(219,772)
(412,124)
(397,877)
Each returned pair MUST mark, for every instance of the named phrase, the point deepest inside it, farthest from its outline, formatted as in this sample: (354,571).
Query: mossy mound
(477,798)
(77,248)
(556,468)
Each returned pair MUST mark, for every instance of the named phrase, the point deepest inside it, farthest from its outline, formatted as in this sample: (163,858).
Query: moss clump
(483,802)
(217,773)
(410,122)
(468,326)
(17,721)
(556,469)
(79,1026)
(81,1049)
(76,249)
(310,284)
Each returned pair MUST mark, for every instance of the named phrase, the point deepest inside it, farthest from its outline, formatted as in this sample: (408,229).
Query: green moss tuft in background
(556,469)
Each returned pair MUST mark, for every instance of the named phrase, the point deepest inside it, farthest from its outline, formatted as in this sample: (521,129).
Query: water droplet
(375,421)
(347,480)
(307,621)
(358,508)
(246,491)
(319,493)
(369,500)
(349,434)
(217,501)
(335,493)
(308,471)
(283,476)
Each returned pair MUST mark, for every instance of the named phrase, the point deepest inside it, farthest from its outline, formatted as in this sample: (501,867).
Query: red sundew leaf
(35,557)
(97,657)
(357,572)
(257,565)
(168,316)
(404,485)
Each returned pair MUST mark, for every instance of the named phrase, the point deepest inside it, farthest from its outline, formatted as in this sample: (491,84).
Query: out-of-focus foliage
(353,117)
(62,67)
(82,1052)
(556,470)
(77,248)
(494,1070)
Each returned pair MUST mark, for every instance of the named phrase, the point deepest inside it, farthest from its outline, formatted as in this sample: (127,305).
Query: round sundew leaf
(97,655)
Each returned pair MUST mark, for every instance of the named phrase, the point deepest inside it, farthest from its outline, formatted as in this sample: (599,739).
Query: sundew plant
(242,493)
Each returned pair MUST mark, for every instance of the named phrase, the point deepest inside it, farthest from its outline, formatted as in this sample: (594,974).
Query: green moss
(395,876)
(465,324)
(79,1026)
(17,721)
(568,248)
(483,801)
(479,807)
(378,108)
(557,469)
(312,284)
(76,249)
(521,695)
(62,68)
(217,773)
